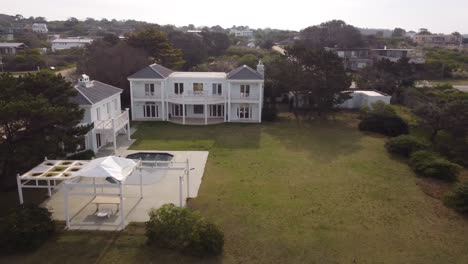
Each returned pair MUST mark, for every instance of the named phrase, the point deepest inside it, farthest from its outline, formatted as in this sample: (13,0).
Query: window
(150,110)
(98,113)
(217,89)
(98,140)
(243,112)
(178,88)
(217,110)
(198,109)
(115,104)
(197,88)
(108,108)
(149,89)
(177,110)
(245,90)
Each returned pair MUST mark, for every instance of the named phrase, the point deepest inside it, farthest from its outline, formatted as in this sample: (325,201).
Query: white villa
(68,43)
(101,103)
(197,98)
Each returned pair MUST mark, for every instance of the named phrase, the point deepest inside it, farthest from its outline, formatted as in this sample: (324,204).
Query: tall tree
(36,116)
(335,33)
(320,78)
(191,45)
(158,47)
(112,62)
(398,32)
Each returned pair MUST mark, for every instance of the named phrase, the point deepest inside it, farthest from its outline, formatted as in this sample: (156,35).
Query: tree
(335,33)
(158,47)
(388,77)
(319,77)
(37,120)
(112,63)
(194,51)
(398,32)
(216,43)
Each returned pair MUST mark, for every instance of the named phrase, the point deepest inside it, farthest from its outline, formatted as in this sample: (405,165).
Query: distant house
(60,44)
(438,40)
(39,28)
(160,94)
(7,48)
(242,33)
(101,103)
(354,59)
(396,54)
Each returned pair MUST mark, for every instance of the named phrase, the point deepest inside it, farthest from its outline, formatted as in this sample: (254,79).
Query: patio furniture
(98,200)
(104,213)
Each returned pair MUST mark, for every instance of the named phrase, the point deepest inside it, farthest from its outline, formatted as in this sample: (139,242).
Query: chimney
(84,81)
(261,68)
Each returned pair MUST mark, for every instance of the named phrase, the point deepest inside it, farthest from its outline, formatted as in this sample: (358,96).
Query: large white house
(68,43)
(160,94)
(101,103)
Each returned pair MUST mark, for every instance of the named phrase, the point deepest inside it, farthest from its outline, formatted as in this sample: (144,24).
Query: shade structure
(110,166)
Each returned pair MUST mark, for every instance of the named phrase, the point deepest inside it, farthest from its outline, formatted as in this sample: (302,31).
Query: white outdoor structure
(107,173)
(40,28)
(60,44)
(160,94)
(364,98)
(102,106)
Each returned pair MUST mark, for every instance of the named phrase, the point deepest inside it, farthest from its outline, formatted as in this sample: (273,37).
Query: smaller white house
(40,28)
(10,48)
(364,98)
(61,44)
(101,103)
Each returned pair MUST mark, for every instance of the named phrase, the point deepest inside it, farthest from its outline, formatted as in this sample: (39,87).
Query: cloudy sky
(438,16)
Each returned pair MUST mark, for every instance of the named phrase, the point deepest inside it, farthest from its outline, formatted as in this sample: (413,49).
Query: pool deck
(161,186)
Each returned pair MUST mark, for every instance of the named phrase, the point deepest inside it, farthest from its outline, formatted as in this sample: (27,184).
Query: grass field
(289,192)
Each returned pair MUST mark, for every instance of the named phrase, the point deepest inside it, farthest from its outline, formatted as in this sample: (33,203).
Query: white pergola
(113,169)
(108,173)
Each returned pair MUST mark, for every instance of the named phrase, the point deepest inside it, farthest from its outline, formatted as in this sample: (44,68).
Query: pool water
(151,156)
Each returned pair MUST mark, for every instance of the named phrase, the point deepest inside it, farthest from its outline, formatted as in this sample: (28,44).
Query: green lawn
(289,192)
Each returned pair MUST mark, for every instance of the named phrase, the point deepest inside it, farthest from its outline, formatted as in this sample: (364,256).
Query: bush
(430,164)
(84,155)
(458,198)
(26,227)
(404,145)
(182,229)
(388,125)
(269,114)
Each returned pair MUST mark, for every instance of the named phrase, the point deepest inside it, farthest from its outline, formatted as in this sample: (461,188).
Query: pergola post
(141,178)
(181,179)
(20,188)
(187,169)
(122,213)
(65,198)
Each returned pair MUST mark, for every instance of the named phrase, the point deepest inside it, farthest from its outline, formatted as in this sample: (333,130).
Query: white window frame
(244,112)
(150,110)
(178,88)
(217,89)
(202,109)
(98,113)
(149,89)
(245,90)
(196,88)
(216,110)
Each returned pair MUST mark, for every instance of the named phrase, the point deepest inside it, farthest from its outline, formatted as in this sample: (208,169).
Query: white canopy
(110,166)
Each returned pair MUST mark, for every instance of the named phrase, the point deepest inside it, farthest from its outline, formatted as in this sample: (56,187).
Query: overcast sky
(440,16)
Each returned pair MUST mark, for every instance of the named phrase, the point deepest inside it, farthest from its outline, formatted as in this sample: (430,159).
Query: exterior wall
(67,45)
(165,97)
(8,51)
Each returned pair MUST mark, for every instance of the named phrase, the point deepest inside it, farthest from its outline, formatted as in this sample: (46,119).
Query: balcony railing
(115,124)
(196,94)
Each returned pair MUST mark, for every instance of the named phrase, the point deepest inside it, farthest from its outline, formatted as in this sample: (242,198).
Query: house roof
(11,45)
(244,73)
(213,75)
(94,93)
(153,71)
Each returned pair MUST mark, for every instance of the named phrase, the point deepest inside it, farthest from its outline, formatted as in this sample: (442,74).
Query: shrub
(458,198)
(26,227)
(382,109)
(430,164)
(269,114)
(84,155)
(404,145)
(388,125)
(182,229)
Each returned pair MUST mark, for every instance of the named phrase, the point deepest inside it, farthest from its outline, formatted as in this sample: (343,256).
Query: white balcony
(194,97)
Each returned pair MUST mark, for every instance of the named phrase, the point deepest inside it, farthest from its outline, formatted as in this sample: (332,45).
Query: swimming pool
(151,156)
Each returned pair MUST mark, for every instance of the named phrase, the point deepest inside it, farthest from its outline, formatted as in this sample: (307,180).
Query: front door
(98,140)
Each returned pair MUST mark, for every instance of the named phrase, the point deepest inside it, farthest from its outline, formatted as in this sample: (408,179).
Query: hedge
(404,145)
(431,164)
(458,198)
(387,125)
